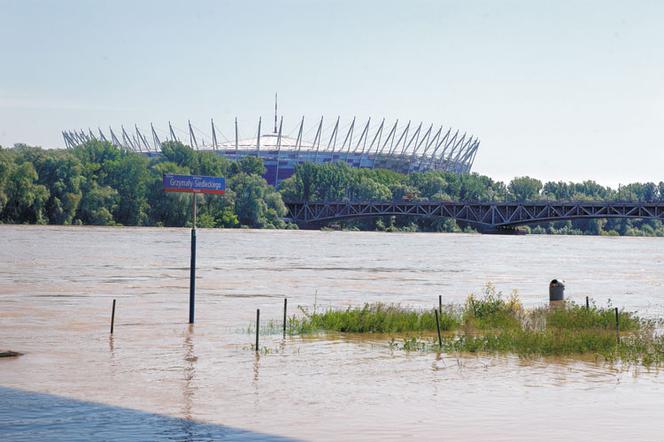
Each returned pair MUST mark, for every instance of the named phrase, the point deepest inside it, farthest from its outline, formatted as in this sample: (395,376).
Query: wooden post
(587,303)
(112,316)
(440,341)
(285,310)
(617,325)
(258,325)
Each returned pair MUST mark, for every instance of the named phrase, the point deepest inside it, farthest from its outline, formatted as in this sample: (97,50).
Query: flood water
(57,286)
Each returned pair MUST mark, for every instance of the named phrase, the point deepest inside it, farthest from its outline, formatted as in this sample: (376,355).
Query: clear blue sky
(554,89)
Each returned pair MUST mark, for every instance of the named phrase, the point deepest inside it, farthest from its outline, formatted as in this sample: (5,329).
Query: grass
(493,324)
(373,318)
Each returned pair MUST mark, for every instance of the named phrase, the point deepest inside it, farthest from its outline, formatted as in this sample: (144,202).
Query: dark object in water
(556,290)
(9,354)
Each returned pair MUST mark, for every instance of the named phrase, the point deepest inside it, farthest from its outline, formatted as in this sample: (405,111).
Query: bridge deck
(482,214)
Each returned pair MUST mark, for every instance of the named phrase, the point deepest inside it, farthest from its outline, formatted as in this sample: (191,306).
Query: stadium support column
(377,136)
(435,142)
(214,135)
(258,137)
(298,142)
(236,139)
(447,145)
(424,141)
(349,137)
(155,138)
(276,174)
(275,112)
(114,138)
(363,141)
(192,137)
(333,138)
(170,129)
(317,138)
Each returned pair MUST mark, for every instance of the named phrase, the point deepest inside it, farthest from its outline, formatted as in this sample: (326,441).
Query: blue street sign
(194,184)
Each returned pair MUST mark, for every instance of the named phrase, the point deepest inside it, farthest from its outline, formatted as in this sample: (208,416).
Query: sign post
(193,184)
(192,264)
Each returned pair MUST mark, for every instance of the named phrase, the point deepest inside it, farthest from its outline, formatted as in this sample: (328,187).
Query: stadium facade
(401,147)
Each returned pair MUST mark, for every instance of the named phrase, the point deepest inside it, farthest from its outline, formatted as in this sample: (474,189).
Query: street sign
(194,184)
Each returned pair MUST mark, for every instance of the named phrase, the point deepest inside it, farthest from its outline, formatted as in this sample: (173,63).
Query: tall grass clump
(374,318)
(492,323)
(491,311)
(576,317)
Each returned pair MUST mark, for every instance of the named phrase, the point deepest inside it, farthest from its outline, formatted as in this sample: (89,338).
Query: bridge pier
(500,230)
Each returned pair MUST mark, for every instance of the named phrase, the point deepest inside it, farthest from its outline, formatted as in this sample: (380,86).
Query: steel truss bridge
(487,216)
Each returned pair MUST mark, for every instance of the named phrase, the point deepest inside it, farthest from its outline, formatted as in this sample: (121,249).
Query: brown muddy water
(57,285)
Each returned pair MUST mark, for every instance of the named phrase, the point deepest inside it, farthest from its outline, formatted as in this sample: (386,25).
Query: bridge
(486,216)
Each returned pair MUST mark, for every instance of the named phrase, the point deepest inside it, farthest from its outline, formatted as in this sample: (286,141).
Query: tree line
(97,183)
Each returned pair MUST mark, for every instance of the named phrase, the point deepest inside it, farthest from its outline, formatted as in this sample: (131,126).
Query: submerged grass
(491,323)
(373,318)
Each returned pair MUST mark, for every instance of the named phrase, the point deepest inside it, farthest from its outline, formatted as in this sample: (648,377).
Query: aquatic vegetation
(574,316)
(373,318)
(492,311)
(494,324)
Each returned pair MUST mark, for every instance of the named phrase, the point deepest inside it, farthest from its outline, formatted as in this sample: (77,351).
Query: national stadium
(399,146)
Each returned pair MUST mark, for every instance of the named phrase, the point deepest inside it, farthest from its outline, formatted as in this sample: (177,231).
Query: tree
(97,204)
(6,167)
(525,188)
(248,166)
(169,209)
(178,153)
(25,198)
(366,189)
(256,203)
(129,176)
(61,173)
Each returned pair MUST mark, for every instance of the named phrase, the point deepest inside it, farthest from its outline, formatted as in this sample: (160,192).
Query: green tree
(256,203)
(97,204)
(248,166)
(26,199)
(525,188)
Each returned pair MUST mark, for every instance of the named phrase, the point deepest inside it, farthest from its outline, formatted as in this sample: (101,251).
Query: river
(57,286)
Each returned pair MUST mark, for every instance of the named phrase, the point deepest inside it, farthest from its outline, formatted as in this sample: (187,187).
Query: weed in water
(491,323)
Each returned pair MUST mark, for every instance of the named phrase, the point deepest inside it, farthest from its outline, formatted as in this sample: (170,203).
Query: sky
(558,90)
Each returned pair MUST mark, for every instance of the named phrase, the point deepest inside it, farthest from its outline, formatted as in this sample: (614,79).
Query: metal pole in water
(258,325)
(192,267)
(285,310)
(440,341)
(617,325)
(112,316)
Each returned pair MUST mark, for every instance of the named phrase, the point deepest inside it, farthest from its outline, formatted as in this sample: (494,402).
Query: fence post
(587,303)
(440,341)
(258,325)
(112,316)
(285,310)
(617,325)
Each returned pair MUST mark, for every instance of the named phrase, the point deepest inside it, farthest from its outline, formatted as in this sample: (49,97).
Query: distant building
(402,147)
